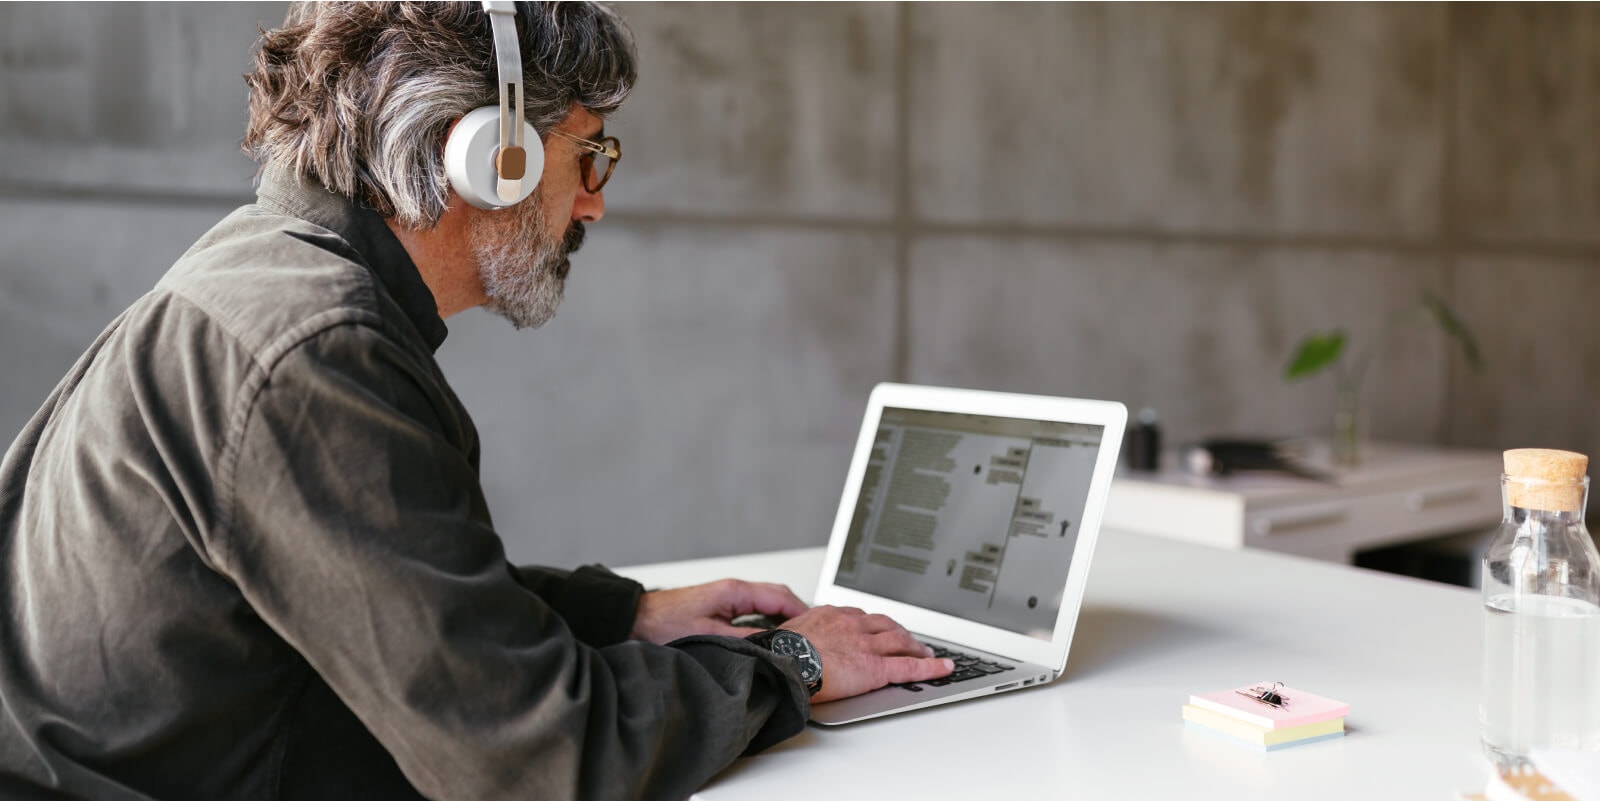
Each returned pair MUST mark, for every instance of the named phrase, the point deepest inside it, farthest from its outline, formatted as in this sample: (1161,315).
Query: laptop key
(968,666)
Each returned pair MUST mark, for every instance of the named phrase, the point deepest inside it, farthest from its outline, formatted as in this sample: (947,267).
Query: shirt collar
(367,235)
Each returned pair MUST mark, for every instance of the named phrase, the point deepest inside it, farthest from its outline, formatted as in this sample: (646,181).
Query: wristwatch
(791,644)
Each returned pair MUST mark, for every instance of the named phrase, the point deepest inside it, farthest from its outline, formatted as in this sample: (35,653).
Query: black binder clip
(1267,695)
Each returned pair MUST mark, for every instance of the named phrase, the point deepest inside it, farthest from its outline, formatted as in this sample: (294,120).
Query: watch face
(791,644)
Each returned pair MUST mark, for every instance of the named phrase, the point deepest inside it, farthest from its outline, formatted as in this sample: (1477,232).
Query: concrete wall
(1146,202)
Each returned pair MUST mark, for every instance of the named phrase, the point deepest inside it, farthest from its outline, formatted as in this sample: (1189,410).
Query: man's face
(523,252)
(522,262)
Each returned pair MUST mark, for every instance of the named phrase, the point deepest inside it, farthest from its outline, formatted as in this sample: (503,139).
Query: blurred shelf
(1399,493)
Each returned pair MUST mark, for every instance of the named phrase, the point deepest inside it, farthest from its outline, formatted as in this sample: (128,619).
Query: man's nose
(589,207)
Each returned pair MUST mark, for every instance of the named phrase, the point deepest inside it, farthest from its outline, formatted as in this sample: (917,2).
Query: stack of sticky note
(1239,714)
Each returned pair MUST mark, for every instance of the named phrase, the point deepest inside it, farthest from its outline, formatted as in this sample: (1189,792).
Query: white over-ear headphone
(484,156)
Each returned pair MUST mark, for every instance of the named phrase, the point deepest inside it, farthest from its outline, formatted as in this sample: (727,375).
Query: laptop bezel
(1111,415)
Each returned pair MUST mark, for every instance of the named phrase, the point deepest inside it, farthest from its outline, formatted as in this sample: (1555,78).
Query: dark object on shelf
(1142,443)
(1407,559)
(1222,457)
(1450,559)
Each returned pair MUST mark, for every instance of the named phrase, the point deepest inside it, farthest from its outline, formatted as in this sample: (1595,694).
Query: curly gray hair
(359,96)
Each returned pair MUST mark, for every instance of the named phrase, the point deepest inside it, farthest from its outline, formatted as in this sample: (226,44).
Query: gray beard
(523,269)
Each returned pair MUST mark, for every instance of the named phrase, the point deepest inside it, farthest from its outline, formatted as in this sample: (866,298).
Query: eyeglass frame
(592,149)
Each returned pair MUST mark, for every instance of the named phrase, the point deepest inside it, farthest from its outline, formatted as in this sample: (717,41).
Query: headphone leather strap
(510,160)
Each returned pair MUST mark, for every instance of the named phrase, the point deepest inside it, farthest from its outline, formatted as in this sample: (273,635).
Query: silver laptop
(970,518)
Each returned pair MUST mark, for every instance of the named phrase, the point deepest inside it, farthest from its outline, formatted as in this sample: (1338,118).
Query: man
(243,548)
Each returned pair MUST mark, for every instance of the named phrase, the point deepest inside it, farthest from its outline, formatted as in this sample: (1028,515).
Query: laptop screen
(971,515)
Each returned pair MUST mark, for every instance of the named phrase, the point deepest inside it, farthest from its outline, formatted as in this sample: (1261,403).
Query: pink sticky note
(1301,707)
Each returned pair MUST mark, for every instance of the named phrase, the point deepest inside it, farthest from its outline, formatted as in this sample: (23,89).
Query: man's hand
(666,615)
(862,652)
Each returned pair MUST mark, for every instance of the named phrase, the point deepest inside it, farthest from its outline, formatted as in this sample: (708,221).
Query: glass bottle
(1541,600)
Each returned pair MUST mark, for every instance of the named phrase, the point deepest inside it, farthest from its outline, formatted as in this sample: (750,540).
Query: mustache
(569,245)
(573,240)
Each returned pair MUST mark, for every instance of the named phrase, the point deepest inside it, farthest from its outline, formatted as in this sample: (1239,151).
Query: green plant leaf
(1453,326)
(1315,352)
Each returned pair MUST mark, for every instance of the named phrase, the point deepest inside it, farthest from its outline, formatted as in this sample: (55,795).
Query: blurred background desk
(1399,494)
(1163,619)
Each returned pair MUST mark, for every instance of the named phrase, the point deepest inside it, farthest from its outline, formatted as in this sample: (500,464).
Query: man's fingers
(899,643)
(775,600)
(877,624)
(739,598)
(901,669)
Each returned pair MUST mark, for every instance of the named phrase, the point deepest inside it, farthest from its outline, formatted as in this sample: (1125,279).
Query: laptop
(970,517)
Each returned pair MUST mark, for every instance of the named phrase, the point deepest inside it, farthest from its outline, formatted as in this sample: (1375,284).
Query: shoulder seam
(244,406)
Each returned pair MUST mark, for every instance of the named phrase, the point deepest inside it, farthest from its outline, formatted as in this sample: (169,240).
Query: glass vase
(1349,424)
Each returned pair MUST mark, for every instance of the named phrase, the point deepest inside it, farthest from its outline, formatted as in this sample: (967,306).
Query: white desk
(1163,619)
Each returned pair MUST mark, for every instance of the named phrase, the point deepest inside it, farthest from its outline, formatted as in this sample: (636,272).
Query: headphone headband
(493,156)
(511,161)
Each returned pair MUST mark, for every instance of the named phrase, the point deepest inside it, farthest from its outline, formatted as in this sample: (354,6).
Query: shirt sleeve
(598,605)
(354,524)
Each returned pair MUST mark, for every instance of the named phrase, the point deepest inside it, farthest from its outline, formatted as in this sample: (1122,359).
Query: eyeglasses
(598,160)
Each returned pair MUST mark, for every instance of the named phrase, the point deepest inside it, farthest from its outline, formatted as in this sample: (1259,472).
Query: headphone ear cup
(469,159)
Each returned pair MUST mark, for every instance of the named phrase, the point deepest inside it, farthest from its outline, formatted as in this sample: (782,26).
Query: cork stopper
(1545,480)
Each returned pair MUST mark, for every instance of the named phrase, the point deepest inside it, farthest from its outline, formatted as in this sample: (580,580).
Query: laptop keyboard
(968,667)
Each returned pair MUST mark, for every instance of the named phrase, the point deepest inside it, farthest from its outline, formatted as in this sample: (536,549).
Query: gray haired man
(244,552)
